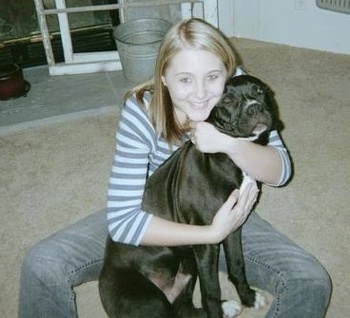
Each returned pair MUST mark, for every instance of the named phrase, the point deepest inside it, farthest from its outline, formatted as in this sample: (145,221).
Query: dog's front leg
(207,265)
(236,269)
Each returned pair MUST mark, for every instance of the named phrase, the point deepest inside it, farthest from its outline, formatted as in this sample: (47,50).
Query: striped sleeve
(275,141)
(135,140)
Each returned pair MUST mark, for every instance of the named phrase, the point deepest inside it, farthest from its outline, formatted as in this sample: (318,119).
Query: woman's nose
(200,90)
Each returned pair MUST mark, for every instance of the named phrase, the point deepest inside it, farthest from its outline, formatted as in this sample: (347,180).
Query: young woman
(194,62)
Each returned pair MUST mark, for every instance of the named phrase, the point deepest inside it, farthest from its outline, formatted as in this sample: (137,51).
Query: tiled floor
(67,95)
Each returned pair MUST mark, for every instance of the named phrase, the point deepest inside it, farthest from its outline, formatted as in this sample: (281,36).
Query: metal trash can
(138,42)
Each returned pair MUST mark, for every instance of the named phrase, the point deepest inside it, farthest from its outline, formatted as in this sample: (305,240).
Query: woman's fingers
(248,194)
(232,199)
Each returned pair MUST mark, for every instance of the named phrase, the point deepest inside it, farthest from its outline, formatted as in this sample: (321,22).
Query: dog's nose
(255,109)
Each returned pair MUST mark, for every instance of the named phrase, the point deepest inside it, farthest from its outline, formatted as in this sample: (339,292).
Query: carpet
(56,172)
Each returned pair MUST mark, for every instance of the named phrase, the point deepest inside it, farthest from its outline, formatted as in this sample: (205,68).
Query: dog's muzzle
(258,116)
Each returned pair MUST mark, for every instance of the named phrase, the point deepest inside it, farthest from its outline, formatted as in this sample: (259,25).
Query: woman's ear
(164,82)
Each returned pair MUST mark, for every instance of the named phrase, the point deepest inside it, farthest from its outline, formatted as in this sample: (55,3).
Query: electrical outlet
(301,5)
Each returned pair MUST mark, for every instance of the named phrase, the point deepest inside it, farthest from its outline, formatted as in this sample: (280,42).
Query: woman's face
(195,80)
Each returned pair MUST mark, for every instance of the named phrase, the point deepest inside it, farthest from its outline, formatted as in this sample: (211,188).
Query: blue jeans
(300,285)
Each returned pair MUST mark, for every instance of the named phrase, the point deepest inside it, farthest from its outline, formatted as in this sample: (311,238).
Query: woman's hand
(207,138)
(233,212)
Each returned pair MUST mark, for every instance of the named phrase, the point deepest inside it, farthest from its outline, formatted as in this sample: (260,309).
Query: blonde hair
(187,34)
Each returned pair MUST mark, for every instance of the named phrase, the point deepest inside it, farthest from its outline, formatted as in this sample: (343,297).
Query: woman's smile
(199,104)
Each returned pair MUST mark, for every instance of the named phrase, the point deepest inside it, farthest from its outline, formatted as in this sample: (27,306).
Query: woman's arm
(262,163)
(126,220)
(230,216)
(269,164)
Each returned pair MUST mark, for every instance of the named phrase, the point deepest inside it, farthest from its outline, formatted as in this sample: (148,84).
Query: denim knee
(44,289)
(322,282)
(303,291)
(319,285)
(312,277)
(41,267)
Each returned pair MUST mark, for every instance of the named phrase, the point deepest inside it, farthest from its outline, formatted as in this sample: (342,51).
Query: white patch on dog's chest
(246,180)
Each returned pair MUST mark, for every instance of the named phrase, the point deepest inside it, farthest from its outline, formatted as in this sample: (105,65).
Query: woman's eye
(185,80)
(212,77)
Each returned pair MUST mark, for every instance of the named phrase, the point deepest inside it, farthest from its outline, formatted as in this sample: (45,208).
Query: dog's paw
(260,301)
(231,308)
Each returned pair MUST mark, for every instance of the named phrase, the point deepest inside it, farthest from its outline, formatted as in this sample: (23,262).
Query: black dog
(189,188)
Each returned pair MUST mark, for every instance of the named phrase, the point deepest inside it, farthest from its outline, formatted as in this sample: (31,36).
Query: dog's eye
(227,99)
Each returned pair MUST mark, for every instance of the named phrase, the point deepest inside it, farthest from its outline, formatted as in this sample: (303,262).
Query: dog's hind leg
(183,305)
(128,294)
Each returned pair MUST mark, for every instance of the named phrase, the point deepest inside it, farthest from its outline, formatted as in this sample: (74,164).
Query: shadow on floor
(51,96)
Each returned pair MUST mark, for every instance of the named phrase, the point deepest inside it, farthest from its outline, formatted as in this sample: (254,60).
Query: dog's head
(246,109)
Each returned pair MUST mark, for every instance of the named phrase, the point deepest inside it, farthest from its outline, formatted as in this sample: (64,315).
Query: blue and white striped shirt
(139,152)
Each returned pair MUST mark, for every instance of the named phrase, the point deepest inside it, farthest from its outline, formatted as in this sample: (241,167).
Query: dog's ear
(220,111)
(222,115)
